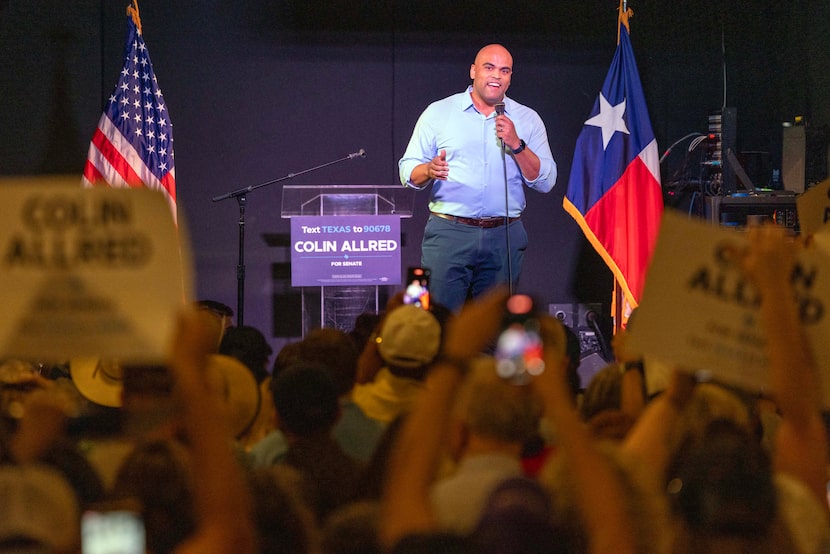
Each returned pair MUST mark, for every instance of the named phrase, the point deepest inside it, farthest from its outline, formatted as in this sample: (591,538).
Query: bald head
(493,50)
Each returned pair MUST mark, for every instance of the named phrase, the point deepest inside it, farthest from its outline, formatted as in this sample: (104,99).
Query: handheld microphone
(359,154)
(500,111)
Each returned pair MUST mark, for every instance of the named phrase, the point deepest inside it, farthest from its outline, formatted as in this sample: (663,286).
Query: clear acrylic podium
(339,306)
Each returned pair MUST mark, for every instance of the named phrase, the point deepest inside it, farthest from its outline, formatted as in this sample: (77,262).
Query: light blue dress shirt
(475,187)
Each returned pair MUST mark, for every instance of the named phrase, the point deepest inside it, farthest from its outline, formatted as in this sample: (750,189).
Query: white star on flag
(609,119)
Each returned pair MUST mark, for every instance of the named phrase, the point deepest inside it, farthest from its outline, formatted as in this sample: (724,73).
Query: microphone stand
(507,221)
(241,196)
(500,111)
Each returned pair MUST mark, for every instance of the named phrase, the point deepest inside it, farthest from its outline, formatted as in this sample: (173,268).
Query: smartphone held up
(518,350)
(112,532)
(417,287)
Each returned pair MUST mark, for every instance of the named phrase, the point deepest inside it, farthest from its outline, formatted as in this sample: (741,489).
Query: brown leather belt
(484,222)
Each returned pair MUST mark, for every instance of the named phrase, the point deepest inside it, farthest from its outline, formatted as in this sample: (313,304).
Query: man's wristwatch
(521,147)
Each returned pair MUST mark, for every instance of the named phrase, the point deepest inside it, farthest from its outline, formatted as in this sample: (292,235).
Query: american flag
(133,144)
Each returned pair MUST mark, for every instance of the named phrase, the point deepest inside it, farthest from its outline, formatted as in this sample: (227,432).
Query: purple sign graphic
(334,250)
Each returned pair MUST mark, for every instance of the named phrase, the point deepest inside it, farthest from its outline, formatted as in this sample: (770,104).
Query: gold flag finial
(624,15)
(132,11)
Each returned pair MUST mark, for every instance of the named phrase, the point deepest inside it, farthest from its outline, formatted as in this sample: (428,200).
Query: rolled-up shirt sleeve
(537,141)
(421,149)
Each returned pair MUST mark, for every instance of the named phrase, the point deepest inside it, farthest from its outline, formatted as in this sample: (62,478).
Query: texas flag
(614,192)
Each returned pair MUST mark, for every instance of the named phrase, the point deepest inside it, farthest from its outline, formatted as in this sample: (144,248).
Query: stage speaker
(793,158)
(564,313)
(594,333)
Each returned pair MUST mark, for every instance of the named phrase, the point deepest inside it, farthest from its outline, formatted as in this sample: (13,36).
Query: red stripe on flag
(634,202)
(169,184)
(115,159)
(92,175)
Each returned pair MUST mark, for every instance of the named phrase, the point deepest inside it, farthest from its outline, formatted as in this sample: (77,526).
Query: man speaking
(478,149)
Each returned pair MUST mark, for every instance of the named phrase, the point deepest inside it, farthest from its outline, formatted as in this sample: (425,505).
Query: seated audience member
(35,413)
(39,511)
(272,447)
(601,405)
(374,475)
(641,497)
(285,522)
(493,420)
(248,345)
(307,407)
(220,309)
(334,351)
(175,397)
(352,529)
(408,516)
(408,341)
(364,326)
(138,399)
(156,475)
(239,394)
(221,315)
(130,402)
(369,360)
(518,518)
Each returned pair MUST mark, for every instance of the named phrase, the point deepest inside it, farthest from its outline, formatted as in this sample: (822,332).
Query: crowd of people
(401,437)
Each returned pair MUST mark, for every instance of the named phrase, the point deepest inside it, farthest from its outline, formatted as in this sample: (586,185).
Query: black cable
(507,220)
(593,321)
(500,111)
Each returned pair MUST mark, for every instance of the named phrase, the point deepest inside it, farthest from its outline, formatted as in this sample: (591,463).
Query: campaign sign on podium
(345,250)
(345,245)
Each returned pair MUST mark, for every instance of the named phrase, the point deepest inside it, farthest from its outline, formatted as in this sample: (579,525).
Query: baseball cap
(409,337)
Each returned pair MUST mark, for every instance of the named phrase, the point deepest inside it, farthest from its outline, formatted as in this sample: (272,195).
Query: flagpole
(133,12)
(618,303)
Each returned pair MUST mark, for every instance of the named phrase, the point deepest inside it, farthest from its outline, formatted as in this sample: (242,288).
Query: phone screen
(519,345)
(417,287)
(112,532)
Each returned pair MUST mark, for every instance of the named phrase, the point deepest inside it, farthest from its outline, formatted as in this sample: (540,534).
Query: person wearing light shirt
(478,162)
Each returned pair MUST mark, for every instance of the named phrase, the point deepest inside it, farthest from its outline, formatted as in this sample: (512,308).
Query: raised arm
(801,439)
(650,438)
(222,498)
(601,498)
(415,458)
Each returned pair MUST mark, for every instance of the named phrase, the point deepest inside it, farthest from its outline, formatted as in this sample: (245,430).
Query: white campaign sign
(698,312)
(814,208)
(89,272)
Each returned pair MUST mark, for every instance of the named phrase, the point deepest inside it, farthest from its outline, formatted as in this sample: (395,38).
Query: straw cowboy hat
(237,387)
(99,381)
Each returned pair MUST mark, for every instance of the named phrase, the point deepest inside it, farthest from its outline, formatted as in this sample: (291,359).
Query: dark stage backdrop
(258,90)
